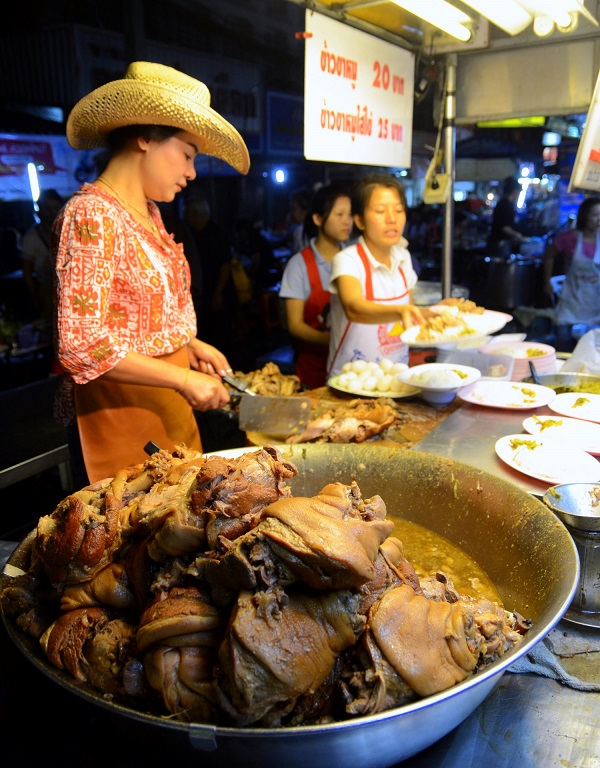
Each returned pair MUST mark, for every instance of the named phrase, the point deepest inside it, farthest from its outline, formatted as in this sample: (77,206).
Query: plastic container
(492,367)
(542,355)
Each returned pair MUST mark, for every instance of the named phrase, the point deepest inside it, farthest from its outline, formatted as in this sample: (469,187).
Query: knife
(270,414)
(238,384)
(274,414)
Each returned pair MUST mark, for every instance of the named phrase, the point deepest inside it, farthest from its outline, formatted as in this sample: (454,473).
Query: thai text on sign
(358,96)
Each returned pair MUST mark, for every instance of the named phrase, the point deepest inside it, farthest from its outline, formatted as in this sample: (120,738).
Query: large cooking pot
(499,282)
(525,549)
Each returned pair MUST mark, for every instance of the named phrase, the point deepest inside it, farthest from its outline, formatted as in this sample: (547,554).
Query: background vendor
(372,281)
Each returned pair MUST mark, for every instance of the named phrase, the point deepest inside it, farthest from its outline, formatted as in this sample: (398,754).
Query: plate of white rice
(439,382)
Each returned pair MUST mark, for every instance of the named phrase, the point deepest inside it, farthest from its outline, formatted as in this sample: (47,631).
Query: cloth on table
(570,655)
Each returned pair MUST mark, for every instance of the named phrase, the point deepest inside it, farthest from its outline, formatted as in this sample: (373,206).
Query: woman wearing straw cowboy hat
(125,324)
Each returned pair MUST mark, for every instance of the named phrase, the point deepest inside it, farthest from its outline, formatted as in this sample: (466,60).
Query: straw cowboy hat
(154,94)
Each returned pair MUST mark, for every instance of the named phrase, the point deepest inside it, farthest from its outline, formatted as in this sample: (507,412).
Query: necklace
(145,215)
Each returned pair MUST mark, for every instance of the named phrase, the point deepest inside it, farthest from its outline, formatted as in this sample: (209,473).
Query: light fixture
(511,17)
(557,10)
(577,6)
(571,26)
(551,139)
(34,184)
(564,13)
(440,14)
(543,26)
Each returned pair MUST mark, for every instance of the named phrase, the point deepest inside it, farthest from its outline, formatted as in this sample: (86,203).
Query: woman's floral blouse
(118,289)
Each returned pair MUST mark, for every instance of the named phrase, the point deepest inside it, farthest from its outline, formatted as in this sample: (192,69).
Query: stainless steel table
(25,452)
(528,720)
(469,434)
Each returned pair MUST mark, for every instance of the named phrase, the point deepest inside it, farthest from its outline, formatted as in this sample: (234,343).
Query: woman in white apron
(579,300)
(371,281)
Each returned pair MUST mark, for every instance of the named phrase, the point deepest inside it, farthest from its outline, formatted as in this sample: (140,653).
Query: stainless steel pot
(527,552)
(505,283)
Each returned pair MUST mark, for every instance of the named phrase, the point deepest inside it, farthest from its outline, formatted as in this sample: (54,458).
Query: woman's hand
(207,359)
(410,315)
(204,392)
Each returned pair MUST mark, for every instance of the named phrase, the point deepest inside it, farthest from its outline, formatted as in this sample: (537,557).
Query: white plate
(510,395)
(578,405)
(407,390)
(547,461)
(570,432)
(479,325)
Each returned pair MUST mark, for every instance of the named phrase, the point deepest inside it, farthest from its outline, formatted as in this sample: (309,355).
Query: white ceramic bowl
(439,382)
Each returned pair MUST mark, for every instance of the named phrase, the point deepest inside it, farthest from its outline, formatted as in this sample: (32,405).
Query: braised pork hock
(533,564)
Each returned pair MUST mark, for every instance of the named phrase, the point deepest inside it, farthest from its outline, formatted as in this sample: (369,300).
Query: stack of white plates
(543,356)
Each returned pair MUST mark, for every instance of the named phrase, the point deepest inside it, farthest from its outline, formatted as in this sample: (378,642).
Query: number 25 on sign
(384,132)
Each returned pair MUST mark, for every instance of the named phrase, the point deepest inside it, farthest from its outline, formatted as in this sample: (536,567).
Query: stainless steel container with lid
(577,505)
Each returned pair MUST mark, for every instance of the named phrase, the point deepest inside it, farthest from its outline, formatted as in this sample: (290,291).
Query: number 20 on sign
(384,79)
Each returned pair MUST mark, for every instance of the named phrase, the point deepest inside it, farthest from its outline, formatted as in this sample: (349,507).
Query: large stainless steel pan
(525,549)
(565,379)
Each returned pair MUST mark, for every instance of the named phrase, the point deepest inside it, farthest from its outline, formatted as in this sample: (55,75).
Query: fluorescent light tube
(557,10)
(508,15)
(441,15)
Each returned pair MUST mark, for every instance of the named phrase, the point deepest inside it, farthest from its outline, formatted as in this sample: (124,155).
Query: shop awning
(494,75)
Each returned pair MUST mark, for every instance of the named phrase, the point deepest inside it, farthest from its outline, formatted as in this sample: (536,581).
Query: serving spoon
(534,373)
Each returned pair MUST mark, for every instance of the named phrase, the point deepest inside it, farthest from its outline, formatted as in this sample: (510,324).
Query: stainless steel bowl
(566,379)
(576,504)
(525,550)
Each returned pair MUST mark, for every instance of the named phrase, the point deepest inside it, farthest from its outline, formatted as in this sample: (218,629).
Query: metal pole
(449,154)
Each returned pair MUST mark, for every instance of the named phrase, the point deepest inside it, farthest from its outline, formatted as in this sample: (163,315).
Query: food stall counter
(416,419)
(469,435)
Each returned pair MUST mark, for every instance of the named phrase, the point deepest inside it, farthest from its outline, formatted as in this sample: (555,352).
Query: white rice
(437,378)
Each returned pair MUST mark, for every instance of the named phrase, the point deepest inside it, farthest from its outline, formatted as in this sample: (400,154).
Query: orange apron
(311,363)
(116,421)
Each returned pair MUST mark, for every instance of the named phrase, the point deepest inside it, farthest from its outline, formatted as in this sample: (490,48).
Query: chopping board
(416,419)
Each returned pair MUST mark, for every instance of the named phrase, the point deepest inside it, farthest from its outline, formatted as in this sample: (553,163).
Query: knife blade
(274,414)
